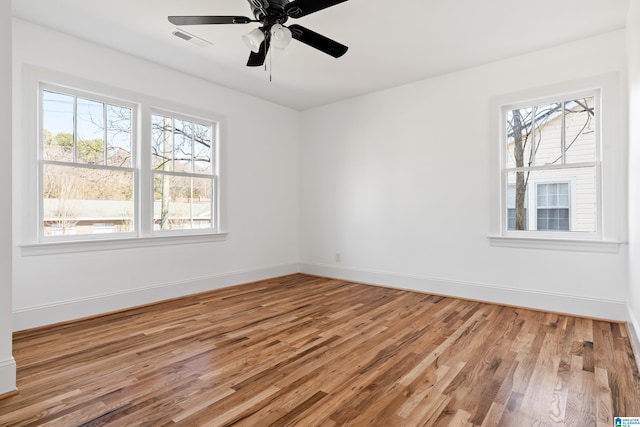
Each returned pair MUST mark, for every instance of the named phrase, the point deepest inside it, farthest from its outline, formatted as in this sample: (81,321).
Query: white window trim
(550,243)
(611,218)
(30,241)
(71,247)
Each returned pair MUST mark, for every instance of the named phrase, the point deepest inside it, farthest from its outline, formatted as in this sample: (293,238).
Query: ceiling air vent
(191,38)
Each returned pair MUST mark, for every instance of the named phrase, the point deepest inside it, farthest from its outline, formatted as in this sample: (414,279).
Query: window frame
(609,179)
(31,241)
(215,165)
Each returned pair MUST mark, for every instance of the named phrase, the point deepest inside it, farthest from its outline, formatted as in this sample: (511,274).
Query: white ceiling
(390,42)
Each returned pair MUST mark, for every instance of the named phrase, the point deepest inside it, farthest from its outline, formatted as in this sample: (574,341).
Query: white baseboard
(546,301)
(61,311)
(31,317)
(7,376)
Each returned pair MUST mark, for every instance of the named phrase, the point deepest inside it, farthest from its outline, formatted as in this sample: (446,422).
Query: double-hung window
(183,173)
(550,166)
(122,168)
(87,167)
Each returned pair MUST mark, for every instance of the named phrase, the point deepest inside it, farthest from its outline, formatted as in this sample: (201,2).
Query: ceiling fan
(272,14)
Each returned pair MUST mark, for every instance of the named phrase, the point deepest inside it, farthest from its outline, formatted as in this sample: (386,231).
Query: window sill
(69,247)
(575,245)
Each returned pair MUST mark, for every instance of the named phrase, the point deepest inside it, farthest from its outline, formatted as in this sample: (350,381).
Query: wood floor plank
(309,351)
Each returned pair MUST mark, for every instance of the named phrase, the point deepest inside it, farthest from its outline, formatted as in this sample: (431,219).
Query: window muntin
(184,173)
(552,142)
(86,173)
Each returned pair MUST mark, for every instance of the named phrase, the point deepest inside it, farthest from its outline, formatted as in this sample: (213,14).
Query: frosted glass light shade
(253,39)
(280,36)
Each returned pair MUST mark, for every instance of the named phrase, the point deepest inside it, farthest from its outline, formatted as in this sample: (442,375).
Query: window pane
(571,190)
(182,146)
(75,198)
(57,126)
(538,141)
(511,208)
(202,155)
(550,217)
(563,195)
(182,202)
(90,128)
(519,137)
(162,143)
(580,130)
(104,227)
(60,230)
(553,195)
(511,219)
(547,134)
(542,196)
(119,133)
(553,220)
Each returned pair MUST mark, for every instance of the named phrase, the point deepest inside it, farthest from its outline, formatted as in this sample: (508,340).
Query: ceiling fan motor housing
(269,13)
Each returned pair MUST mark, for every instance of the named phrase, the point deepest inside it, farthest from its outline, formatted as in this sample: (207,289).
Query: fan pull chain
(270,64)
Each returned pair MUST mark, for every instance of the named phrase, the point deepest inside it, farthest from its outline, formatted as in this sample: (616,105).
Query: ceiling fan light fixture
(280,36)
(272,14)
(253,39)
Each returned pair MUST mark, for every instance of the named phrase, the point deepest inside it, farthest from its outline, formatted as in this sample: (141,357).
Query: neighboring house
(115,216)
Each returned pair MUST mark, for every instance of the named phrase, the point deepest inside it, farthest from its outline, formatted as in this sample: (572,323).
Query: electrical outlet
(338,257)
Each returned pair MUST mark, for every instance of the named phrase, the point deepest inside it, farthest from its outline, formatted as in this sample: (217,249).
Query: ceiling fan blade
(206,20)
(318,41)
(257,59)
(300,8)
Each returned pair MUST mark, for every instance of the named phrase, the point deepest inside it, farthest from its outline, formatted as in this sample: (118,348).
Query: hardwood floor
(308,351)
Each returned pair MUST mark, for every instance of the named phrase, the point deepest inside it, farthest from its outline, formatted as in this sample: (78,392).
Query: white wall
(260,183)
(633,50)
(7,364)
(398,183)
